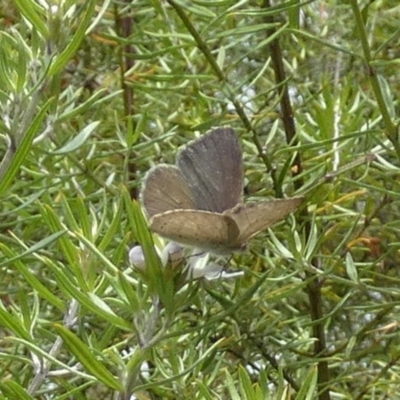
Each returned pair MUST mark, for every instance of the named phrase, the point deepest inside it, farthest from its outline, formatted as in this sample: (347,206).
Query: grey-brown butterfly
(198,202)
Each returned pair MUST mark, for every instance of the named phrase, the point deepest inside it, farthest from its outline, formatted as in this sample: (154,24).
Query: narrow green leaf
(280,249)
(89,300)
(387,96)
(308,385)
(12,390)
(230,383)
(205,391)
(92,247)
(196,9)
(31,279)
(61,60)
(23,148)
(129,292)
(69,250)
(36,247)
(153,271)
(24,57)
(113,228)
(86,224)
(34,13)
(245,384)
(85,356)
(243,30)
(14,324)
(351,269)
(79,140)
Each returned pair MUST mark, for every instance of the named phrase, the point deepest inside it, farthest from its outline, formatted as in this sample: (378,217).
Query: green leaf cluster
(93,94)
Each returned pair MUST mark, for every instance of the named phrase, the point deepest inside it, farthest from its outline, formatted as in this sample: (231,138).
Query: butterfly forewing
(205,230)
(212,167)
(165,189)
(252,218)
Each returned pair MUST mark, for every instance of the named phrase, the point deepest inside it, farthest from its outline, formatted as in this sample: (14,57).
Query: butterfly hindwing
(252,218)
(205,230)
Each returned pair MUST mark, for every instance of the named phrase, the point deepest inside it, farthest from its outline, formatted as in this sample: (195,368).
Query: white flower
(196,263)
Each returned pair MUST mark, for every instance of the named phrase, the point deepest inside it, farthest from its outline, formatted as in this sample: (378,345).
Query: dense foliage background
(92,94)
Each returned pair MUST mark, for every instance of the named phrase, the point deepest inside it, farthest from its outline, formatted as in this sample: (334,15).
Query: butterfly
(199,201)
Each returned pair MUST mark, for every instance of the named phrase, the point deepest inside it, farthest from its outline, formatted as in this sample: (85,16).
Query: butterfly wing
(252,218)
(205,230)
(164,189)
(212,167)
